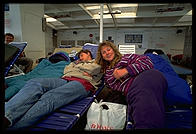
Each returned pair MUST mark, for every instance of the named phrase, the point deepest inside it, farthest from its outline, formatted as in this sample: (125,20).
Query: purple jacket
(135,64)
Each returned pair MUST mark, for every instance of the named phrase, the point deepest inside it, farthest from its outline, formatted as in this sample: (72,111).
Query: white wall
(48,40)
(13,21)
(82,34)
(32,29)
(159,38)
(25,22)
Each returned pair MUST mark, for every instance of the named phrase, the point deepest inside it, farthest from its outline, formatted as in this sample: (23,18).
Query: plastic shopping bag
(106,116)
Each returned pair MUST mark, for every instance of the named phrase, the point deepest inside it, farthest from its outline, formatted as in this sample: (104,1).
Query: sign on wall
(133,38)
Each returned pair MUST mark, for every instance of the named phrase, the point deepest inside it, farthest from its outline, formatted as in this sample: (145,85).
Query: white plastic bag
(101,118)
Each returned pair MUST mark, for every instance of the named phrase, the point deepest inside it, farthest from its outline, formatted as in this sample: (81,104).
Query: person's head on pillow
(84,55)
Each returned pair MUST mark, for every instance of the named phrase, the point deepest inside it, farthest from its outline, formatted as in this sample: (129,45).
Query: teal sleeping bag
(45,69)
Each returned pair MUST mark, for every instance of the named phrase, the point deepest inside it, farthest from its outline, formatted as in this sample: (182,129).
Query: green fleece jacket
(77,69)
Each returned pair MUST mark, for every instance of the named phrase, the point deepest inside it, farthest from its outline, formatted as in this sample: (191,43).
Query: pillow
(92,47)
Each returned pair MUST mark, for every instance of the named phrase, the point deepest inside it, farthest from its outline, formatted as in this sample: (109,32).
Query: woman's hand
(119,73)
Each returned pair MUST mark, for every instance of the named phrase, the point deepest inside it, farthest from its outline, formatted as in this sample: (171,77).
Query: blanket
(179,92)
(45,69)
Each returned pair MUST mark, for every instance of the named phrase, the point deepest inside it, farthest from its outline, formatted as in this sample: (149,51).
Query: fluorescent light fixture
(126,15)
(122,15)
(46,16)
(186,17)
(124,5)
(94,7)
(50,19)
(113,5)
(189,13)
(105,16)
(113,12)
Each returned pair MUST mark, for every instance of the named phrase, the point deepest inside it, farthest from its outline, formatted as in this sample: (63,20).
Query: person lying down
(41,96)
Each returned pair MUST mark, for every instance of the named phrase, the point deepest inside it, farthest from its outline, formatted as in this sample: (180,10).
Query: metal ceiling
(84,16)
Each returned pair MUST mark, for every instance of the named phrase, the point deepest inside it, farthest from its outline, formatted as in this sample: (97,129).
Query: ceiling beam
(110,11)
(82,6)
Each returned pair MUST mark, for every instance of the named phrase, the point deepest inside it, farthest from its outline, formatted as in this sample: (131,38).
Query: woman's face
(107,53)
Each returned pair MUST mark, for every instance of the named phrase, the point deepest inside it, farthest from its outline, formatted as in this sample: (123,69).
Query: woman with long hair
(134,76)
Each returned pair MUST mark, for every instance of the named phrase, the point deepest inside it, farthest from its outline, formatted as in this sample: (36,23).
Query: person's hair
(105,64)
(84,51)
(9,34)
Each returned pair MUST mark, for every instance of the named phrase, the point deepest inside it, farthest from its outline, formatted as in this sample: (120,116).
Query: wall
(25,22)
(187,58)
(32,33)
(159,38)
(13,21)
(48,40)
(188,42)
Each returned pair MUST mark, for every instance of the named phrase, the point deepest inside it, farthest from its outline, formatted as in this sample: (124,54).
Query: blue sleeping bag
(178,92)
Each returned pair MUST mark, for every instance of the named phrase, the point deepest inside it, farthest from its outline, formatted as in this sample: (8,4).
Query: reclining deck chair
(67,116)
(21,46)
(175,118)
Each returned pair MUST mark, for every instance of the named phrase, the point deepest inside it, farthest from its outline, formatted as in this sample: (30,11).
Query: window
(133,38)
(70,43)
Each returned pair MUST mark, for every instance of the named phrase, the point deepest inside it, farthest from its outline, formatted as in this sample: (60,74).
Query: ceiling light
(97,16)
(50,19)
(113,12)
(94,7)
(46,16)
(124,5)
(189,13)
(126,15)
(113,6)
(186,17)
(122,15)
